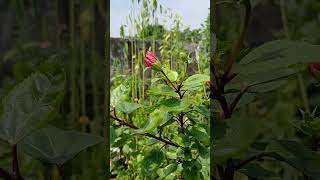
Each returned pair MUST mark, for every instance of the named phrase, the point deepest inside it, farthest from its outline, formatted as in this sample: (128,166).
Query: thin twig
(250,159)
(237,47)
(122,122)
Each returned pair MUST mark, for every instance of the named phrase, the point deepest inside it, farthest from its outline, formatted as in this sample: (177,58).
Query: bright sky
(192,12)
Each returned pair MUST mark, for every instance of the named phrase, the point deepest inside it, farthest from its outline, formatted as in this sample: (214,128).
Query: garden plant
(160,108)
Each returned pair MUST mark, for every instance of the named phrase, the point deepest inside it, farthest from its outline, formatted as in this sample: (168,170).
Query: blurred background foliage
(281,110)
(70,34)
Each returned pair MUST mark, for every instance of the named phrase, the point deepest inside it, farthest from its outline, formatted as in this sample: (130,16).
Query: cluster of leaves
(25,113)
(176,127)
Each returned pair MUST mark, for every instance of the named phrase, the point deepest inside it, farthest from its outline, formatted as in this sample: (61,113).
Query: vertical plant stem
(61,172)
(284,19)
(15,162)
(304,93)
(83,81)
(72,62)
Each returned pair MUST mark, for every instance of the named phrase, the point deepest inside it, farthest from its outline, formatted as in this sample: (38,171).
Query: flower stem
(169,80)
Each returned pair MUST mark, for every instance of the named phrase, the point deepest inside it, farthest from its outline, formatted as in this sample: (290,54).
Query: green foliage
(26,106)
(56,146)
(162,130)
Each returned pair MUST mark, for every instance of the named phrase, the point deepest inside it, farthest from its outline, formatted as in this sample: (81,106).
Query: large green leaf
(284,52)
(56,146)
(274,60)
(26,106)
(236,140)
(260,78)
(298,156)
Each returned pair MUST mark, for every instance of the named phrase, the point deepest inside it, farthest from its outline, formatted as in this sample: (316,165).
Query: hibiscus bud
(314,69)
(151,61)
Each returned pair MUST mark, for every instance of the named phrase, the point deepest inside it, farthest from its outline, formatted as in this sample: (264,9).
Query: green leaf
(172,75)
(164,172)
(236,140)
(112,135)
(162,90)
(245,99)
(219,129)
(127,107)
(199,134)
(191,170)
(175,105)
(203,109)
(274,60)
(298,156)
(152,161)
(156,118)
(195,81)
(183,140)
(202,150)
(264,76)
(26,107)
(56,146)
(267,87)
(284,52)
(255,171)
(118,94)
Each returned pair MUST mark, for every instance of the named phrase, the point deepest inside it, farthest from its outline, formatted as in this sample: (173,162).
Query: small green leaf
(127,107)
(162,90)
(156,118)
(172,75)
(118,94)
(195,81)
(191,170)
(200,135)
(112,135)
(175,105)
(164,172)
(152,161)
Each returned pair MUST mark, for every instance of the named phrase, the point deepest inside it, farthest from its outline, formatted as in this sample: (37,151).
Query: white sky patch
(192,12)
